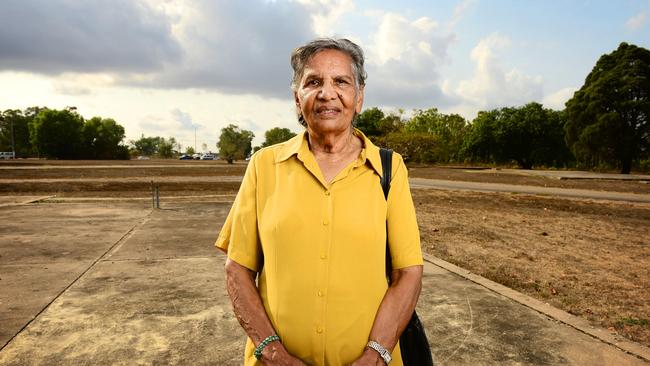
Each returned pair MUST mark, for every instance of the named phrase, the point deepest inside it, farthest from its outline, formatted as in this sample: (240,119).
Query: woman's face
(327,96)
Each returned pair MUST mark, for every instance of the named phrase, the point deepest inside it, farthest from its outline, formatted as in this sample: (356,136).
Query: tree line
(604,126)
(60,134)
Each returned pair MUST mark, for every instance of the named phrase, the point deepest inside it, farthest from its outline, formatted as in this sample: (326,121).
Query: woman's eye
(313,82)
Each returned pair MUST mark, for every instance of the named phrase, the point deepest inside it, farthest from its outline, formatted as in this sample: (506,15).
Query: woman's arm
(394,312)
(249,310)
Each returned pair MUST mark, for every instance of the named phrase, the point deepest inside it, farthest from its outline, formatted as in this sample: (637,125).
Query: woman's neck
(331,143)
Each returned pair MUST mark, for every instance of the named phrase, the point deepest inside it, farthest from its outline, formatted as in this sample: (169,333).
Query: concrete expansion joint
(633,348)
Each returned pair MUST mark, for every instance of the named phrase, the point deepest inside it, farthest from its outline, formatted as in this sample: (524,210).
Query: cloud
(556,100)
(56,36)
(637,21)
(176,123)
(460,10)
(235,47)
(327,14)
(184,119)
(71,89)
(491,85)
(404,58)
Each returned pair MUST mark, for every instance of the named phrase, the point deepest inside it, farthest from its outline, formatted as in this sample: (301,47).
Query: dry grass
(591,259)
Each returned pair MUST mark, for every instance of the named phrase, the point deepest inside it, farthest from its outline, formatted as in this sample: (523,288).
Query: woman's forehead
(329,62)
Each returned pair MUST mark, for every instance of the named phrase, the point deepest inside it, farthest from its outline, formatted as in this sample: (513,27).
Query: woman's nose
(327,91)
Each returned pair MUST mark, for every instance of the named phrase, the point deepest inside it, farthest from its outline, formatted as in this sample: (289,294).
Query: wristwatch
(383,352)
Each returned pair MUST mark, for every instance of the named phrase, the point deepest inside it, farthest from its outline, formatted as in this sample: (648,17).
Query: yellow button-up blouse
(321,247)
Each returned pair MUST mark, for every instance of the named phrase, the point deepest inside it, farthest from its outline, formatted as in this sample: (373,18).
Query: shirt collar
(298,145)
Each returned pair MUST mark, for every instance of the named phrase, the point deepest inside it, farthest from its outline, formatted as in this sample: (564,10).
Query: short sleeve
(239,236)
(403,232)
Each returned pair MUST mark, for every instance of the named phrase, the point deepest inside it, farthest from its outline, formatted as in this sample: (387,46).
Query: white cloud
(637,21)
(404,59)
(460,10)
(326,14)
(491,85)
(557,99)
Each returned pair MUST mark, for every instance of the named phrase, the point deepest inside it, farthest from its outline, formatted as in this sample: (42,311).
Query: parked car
(208,156)
(196,156)
(142,157)
(185,157)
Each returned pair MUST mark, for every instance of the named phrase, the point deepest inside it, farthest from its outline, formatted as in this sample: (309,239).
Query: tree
(101,138)
(607,119)
(450,130)
(166,147)
(146,146)
(530,135)
(374,123)
(234,143)
(277,135)
(57,133)
(190,151)
(369,120)
(18,121)
(415,147)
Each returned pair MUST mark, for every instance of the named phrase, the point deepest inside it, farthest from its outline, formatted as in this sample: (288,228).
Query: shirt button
(320,293)
(323,256)
(325,222)
(319,330)
(327,193)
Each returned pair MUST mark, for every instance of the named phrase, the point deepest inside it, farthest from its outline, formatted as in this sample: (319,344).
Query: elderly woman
(310,222)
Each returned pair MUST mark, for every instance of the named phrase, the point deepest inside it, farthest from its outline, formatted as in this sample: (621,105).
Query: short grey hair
(301,56)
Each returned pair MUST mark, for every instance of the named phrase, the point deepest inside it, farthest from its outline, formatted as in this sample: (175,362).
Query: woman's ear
(359,102)
(296,99)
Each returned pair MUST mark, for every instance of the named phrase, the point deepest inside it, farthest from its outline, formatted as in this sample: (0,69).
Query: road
(546,191)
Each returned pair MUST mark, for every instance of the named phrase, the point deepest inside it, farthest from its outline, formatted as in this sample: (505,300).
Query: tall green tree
(277,135)
(530,135)
(146,146)
(374,123)
(19,121)
(234,143)
(166,147)
(57,133)
(101,138)
(450,130)
(607,119)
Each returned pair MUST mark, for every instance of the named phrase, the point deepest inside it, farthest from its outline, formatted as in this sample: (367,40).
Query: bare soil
(590,258)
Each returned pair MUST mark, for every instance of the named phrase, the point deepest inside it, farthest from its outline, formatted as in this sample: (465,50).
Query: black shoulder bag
(413,342)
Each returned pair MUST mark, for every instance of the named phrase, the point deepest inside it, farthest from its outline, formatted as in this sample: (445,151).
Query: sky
(187,68)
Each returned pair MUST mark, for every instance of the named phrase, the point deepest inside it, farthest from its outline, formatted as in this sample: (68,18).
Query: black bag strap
(386,168)
(387,172)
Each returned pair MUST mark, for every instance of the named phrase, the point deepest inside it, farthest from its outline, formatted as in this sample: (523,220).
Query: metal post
(13,140)
(157,196)
(153,196)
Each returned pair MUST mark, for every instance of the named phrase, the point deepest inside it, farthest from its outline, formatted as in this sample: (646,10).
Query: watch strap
(383,352)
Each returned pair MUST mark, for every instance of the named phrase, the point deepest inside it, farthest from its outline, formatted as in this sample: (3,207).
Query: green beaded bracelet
(264,343)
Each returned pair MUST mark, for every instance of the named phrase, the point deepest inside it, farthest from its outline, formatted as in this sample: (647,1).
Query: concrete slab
(161,312)
(177,230)
(44,248)
(167,305)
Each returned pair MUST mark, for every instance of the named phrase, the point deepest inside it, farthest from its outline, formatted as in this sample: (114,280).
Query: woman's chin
(328,125)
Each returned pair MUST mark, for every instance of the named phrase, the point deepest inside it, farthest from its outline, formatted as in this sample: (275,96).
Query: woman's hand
(369,358)
(277,355)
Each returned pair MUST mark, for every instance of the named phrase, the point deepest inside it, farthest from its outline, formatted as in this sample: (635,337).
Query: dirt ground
(590,258)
